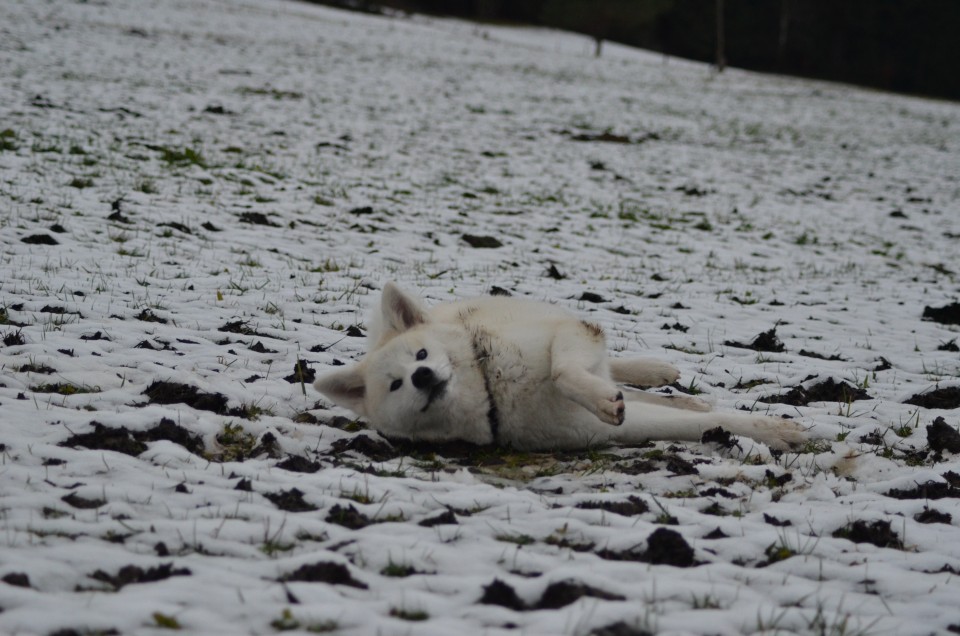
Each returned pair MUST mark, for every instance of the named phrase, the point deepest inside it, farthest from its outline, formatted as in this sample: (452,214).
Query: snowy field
(196,194)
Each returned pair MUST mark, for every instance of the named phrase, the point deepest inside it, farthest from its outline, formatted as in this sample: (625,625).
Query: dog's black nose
(423,378)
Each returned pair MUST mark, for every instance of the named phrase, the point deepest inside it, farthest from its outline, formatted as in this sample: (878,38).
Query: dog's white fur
(520,373)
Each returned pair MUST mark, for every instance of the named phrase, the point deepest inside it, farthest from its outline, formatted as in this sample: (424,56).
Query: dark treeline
(902,45)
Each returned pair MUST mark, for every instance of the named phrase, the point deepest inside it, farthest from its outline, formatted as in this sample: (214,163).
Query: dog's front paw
(612,410)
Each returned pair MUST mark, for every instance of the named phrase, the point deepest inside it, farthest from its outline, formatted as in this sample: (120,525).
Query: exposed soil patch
(170,431)
(941,436)
(502,594)
(241,327)
(664,547)
(826,391)
(297,464)
(812,354)
(371,448)
(175,393)
(290,500)
(631,507)
(878,533)
(119,440)
(444,518)
(13,338)
(718,436)
(133,574)
(766,341)
(927,490)
(929,515)
(16,579)
(37,368)
(482,242)
(82,503)
(256,218)
(946,315)
(620,629)
(348,517)
(324,572)
(944,398)
(668,547)
(609,137)
(564,593)
(40,239)
(301,373)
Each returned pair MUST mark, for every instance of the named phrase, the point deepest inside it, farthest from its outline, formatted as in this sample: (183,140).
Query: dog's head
(414,380)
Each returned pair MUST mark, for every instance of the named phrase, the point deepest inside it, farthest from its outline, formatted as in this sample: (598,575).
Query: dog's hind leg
(643,371)
(578,368)
(656,422)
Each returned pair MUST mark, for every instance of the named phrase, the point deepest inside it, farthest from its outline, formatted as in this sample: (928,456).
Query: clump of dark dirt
(241,327)
(444,518)
(481,242)
(176,393)
(348,517)
(766,341)
(819,356)
(371,448)
(301,373)
(680,466)
(256,218)
(716,533)
(13,338)
(40,239)
(946,315)
(119,440)
(620,629)
(502,594)
(943,437)
(944,398)
(290,500)
(591,297)
(930,515)
(668,547)
(258,347)
(630,508)
(719,436)
(148,316)
(37,368)
(878,533)
(16,579)
(664,547)
(324,572)
(950,345)
(82,503)
(565,593)
(133,574)
(928,490)
(826,391)
(170,431)
(297,464)
(773,521)
(180,227)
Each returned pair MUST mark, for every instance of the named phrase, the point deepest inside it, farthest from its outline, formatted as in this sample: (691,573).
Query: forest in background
(908,46)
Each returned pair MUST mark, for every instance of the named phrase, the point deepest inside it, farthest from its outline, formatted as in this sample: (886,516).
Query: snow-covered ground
(229,183)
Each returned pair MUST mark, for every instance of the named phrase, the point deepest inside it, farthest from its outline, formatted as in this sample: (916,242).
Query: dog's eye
(422,354)
(396,384)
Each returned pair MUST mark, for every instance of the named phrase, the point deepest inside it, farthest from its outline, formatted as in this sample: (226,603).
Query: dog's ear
(399,310)
(346,387)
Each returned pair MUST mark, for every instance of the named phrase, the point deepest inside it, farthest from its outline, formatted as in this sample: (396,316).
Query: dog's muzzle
(427,381)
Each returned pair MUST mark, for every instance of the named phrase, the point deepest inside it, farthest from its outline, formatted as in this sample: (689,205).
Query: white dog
(514,372)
